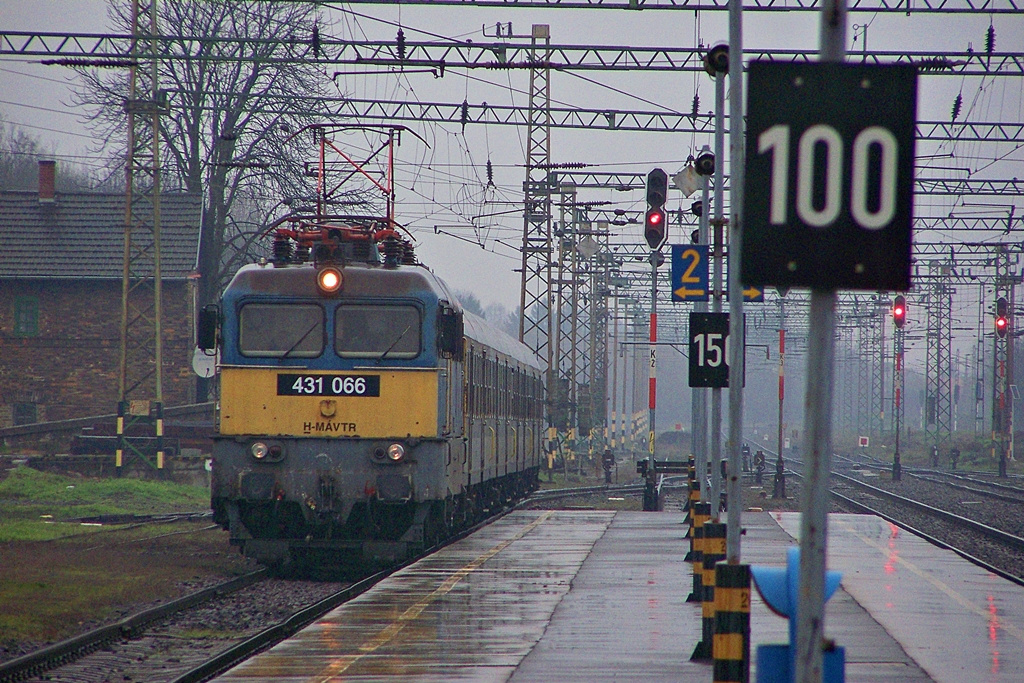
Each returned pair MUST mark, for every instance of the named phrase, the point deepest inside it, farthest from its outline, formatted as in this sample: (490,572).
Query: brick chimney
(47,178)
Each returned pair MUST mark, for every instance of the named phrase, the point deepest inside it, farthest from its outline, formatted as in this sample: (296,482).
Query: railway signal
(654,227)
(656,220)
(899,311)
(1002,322)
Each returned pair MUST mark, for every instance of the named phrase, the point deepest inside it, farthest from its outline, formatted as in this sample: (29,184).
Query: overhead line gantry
(442,55)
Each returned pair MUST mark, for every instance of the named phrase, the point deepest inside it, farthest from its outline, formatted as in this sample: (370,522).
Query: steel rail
(38,662)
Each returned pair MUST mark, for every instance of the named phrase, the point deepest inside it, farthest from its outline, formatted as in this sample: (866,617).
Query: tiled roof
(81,235)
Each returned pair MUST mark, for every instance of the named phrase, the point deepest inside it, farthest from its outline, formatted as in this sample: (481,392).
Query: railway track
(68,652)
(982,526)
(200,635)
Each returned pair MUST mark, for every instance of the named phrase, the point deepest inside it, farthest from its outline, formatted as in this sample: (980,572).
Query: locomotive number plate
(328,385)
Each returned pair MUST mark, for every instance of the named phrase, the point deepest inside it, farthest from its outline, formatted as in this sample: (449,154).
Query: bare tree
(20,154)
(227,134)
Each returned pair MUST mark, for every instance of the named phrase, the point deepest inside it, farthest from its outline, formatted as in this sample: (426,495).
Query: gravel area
(186,640)
(1003,515)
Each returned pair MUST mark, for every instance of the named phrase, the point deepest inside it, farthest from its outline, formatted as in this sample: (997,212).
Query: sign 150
(709,350)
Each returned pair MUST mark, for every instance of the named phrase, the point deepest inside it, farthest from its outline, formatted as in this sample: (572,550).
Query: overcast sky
(452,195)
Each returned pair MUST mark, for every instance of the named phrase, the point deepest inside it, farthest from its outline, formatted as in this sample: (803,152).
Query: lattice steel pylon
(877,360)
(1002,404)
(535,317)
(140,376)
(938,408)
(600,289)
(868,352)
(563,394)
(846,373)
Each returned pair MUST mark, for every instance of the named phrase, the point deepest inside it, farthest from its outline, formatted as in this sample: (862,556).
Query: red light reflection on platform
(993,631)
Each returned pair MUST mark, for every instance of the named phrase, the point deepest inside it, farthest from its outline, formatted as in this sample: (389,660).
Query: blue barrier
(780,589)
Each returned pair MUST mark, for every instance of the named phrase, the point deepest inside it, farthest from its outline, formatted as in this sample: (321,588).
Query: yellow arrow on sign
(683,292)
(753,293)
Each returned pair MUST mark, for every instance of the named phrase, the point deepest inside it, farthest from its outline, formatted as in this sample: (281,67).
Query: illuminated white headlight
(259,450)
(396,451)
(329,280)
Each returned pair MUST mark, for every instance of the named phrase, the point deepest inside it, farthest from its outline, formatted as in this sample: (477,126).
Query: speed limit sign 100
(828,189)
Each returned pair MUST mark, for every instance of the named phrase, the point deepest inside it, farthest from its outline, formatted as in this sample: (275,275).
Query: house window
(26,316)
(25,414)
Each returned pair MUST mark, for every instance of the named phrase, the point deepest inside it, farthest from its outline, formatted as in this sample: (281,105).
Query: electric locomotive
(363,415)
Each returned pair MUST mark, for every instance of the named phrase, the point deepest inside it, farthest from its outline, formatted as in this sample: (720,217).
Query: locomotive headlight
(396,452)
(329,280)
(259,450)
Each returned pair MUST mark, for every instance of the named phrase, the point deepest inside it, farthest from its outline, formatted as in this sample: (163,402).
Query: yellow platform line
(385,636)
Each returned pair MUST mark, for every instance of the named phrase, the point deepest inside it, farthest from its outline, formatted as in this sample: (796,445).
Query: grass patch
(588,478)
(53,590)
(34,505)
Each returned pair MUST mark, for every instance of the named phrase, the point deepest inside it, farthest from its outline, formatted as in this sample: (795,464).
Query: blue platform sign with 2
(690,272)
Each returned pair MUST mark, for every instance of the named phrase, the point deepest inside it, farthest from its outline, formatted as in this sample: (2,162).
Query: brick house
(60,300)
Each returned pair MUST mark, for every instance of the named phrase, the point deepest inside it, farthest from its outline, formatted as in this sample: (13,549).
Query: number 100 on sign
(829,175)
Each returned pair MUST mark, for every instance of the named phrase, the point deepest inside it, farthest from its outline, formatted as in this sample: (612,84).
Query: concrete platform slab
(601,596)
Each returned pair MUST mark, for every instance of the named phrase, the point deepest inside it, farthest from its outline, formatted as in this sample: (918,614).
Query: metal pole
(626,385)
(615,374)
(737,330)
(897,401)
(716,300)
(1009,364)
(810,627)
(814,521)
(650,495)
(782,374)
(700,396)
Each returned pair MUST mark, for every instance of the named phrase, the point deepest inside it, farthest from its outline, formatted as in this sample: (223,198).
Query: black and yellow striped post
(713,552)
(691,476)
(159,435)
(731,645)
(119,451)
(701,514)
(691,503)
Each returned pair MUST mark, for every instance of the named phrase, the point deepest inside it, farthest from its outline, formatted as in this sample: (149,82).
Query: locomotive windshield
(374,331)
(280,330)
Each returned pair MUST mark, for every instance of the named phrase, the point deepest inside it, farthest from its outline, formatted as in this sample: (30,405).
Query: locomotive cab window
(375,331)
(281,330)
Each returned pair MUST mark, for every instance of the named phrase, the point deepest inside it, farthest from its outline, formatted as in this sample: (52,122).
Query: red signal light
(654,227)
(1002,321)
(899,311)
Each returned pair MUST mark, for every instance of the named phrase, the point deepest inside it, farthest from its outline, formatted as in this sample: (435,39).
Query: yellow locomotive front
(340,421)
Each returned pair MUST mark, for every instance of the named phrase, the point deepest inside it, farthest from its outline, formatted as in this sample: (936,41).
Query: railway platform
(601,596)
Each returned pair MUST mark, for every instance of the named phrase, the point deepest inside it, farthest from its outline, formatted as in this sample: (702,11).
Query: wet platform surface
(957,621)
(601,596)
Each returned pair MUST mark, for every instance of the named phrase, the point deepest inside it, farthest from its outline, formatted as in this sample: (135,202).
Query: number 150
(712,349)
